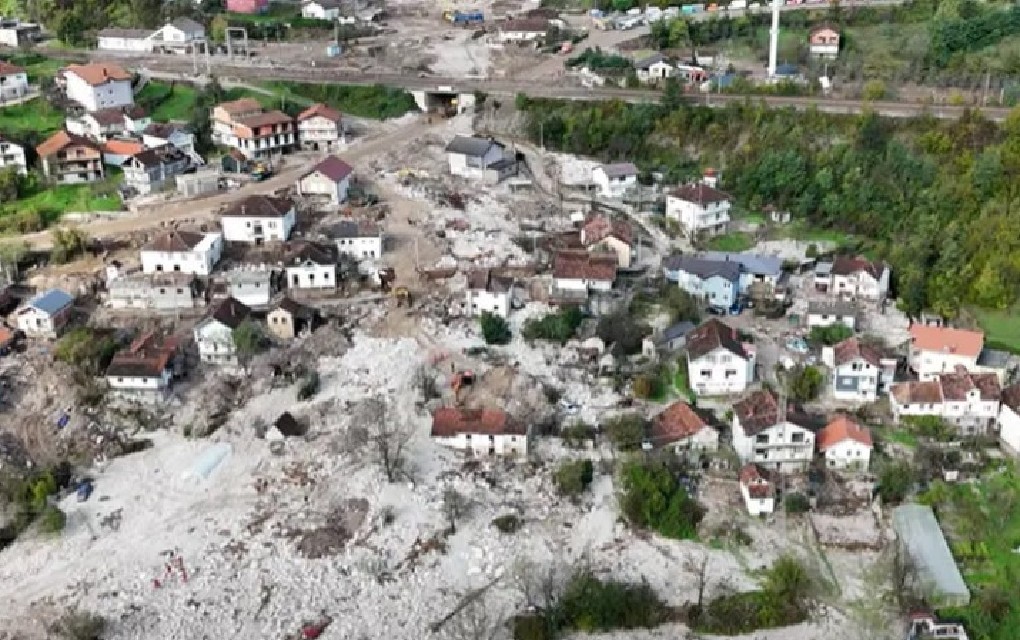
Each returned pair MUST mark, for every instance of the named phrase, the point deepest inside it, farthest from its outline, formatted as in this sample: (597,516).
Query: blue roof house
(717,282)
(754,268)
(46,315)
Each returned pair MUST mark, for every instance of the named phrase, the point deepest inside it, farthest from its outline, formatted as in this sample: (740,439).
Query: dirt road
(204,208)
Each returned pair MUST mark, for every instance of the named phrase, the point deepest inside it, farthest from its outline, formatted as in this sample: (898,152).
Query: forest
(938,199)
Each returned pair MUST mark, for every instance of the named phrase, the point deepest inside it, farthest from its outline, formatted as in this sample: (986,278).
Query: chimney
(710,178)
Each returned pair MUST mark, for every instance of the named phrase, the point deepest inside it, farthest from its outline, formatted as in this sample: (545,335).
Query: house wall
(784,447)
(319,131)
(1009,430)
(972,417)
(146,383)
(705,440)
(715,290)
(856,381)
(252,229)
(312,276)
(829,319)
(579,284)
(719,372)
(35,323)
(462,165)
(316,11)
(199,263)
(848,454)
(622,250)
(480,301)
(135,295)
(251,292)
(757,506)
(114,93)
(694,218)
(119,43)
(520,36)
(484,445)
(316,184)
(247,6)
(281,324)
(613,187)
(13,86)
(929,364)
(13,155)
(215,343)
(366,247)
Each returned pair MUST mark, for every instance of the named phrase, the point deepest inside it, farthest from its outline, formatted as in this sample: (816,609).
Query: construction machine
(403,296)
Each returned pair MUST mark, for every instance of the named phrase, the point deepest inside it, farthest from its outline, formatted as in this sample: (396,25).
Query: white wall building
(183,252)
(822,314)
(655,68)
(579,272)
(523,30)
(700,209)
(320,128)
(758,493)
(13,82)
(46,315)
(859,278)
(330,180)
(681,429)
(132,40)
(320,9)
(357,239)
(252,285)
(970,401)
(937,350)
(488,293)
(717,361)
(98,86)
(473,157)
(215,334)
(12,155)
(258,219)
(1009,419)
(143,371)
(480,432)
(845,445)
(859,372)
(312,266)
(615,180)
(764,434)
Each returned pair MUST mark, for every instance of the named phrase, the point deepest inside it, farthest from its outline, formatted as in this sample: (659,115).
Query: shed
(939,579)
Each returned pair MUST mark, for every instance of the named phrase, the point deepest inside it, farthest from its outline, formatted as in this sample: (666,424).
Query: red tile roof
(571,264)
(840,429)
(956,386)
(1011,397)
(123,147)
(98,73)
(712,335)
(929,392)
(61,140)
(852,349)
(333,168)
(754,479)
(320,110)
(845,266)
(947,340)
(8,69)
(701,194)
(598,228)
(678,422)
(451,421)
(241,106)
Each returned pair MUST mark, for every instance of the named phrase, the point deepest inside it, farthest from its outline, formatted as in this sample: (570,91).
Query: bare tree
(699,567)
(541,584)
(455,505)
(477,621)
(425,382)
(386,435)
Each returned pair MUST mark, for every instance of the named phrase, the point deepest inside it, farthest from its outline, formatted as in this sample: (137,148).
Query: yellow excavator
(402,296)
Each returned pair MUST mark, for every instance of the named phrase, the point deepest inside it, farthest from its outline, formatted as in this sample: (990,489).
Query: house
(576,272)
(67,158)
(162,291)
(225,114)
(159,134)
(691,74)
(145,370)
(101,125)
(764,433)
(1009,419)
(759,494)
(680,428)
(251,285)
(480,432)
(117,39)
(46,315)
(244,125)
(716,282)
(154,169)
(674,337)
(860,278)
(823,41)
(330,179)
(320,128)
(15,33)
(117,152)
(604,234)
(970,401)
(827,314)
(320,9)
(13,82)
(479,159)
(759,275)
(181,36)
(717,361)
(214,335)
(98,85)
(258,219)
(12,155)
(655,68)
(925,625)
(845,445)
(700,209)
(183,252)
(522,30)
(936,350)
(311,266)
(488,293)
(289,318)
(247,6)
(360,240)
(860,373)
(615,180)
(592,78)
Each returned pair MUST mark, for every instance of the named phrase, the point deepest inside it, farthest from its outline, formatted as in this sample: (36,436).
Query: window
(706,373)
(180,292)
(762,438)
(797,438)
(162,291)
(730,373)
(272,224)
(761,453)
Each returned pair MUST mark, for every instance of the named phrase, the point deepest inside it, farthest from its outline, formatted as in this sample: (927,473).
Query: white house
(615,180)
(480,432)
(576,272)
(859,372)
(98,85)
(252,285)
(717,361)
(179,35)
(13,82)
(183,252)
(827,314)
(330,179)
(1009,419)
(860,278)
(46,315)
(214,335)
(479,159)
(166,291)
(655,68)
(258,219)
(488,293)
(845,445)
(714,282)
(312,266)
(764,433)
(159,134)
(12,155)
(145,370)
(970,401)
(117,39)
(700,209)
(759,494)
(680,428)
(937,350)
(358,239)
(763,273)
(601,233)
(320,128)
(523,30)
(320,9)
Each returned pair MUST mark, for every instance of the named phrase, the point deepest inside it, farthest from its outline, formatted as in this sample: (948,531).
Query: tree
(681,305)
(90,350)
(560,326)
(626,432)
(455,505)
(477,621)
(895,482)
(805,383)
(653,498)
(573,477)
(495,329)
(249,340)
(787,580)
(79,625)
(830,335)
(699,567)
(10,184)
(68,243)
(385,436)
(622,332)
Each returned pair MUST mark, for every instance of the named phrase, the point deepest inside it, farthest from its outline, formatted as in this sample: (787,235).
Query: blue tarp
(209,460)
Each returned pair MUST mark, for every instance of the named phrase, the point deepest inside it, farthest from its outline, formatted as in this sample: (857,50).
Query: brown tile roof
(1011,397)
(754,478)
(60,141)
(304,251)
(678,422)
(8,69)
(486,280)
(175,241)
(598,228)
(320,110)
(295,308)
(711,335)
(264,119)
(700,193)
(107,116)
(259,206)
(164,129)
(525,25)
(148,356)
(845,266)
(955,386)
(840,429)
(929,392)
(6,336)
(575,265)
(123,147)
(243,105)
(852,349)
(98,73)
(333,168)
(230,312)
(757,412)
(452,421)
(947,340)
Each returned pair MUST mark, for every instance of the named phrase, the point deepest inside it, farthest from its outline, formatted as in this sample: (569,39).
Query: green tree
(68,243)
(653,498)
(573,477)
(88,349)
(249,340)
(895,482)
(10,184)
(495,329)
(830,335)
(806,383)
(620,331)
(626,432)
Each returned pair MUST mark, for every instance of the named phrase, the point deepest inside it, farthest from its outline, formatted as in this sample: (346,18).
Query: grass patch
(32,117)
(809,234)
(1001,327)
(51,202)
(374,101)
(681,381)
(901,436)
(171,102)
(732,242)
(36,66)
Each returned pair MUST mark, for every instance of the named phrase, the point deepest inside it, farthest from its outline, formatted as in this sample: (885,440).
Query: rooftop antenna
(774,38)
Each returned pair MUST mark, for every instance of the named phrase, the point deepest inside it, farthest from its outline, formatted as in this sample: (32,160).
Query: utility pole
(774,38)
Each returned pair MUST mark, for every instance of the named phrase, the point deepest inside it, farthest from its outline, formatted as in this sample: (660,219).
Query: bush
(895,482)
(653,498)
(533,627)
(588,604)
(78,625)
(573,478)
(830,335)
(87,349)
(52,519)
(806,383)
(559,327)
(797,503)
(626,432)
(623,333)
(508,523)
(495,329)
(782,601)
(576,435)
